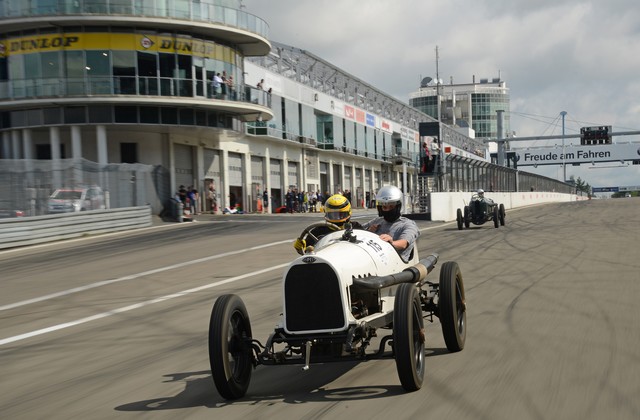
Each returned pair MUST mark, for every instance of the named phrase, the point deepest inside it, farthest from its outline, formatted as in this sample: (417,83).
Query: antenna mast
(442,165)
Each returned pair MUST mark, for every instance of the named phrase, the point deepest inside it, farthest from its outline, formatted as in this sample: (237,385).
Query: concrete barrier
(21,231)
(445,204)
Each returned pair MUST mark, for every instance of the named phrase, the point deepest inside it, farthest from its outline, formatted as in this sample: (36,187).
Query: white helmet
(389,194)
(481,192)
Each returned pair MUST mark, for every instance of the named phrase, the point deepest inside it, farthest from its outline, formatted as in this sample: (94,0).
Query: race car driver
(337,210)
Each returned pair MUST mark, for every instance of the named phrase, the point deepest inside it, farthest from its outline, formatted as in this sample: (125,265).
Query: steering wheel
(307,231)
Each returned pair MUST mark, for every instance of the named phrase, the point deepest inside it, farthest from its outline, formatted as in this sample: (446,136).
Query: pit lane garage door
(347,179)
(275,171)
(211,160)
(235,169)
(292,171)
(183,161)
(257,170)
(257,181)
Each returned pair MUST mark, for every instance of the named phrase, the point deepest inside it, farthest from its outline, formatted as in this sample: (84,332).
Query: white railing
(22,231)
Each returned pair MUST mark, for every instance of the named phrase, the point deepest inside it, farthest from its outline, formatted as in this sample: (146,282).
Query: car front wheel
(230,354)
(409,337)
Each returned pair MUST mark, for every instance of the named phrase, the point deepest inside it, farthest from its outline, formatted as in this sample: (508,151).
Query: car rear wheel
(452,308)
(408,337)
(502,214)
(230,353)
(459,219)
(496,216)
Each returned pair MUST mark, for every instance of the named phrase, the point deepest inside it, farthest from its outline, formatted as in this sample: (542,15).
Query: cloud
(577,56)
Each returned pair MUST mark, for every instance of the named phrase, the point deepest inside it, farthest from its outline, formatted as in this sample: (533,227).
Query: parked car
(70,200)
(6,213)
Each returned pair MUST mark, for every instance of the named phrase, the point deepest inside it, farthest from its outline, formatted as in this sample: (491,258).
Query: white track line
(139,305)
(133,276)
(134,306)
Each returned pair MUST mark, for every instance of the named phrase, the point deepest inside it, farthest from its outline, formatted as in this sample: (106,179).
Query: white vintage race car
(335,299)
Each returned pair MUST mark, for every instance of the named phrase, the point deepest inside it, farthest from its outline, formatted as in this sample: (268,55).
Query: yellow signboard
(110,41)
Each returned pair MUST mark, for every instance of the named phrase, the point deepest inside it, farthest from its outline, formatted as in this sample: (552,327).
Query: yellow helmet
(337,209)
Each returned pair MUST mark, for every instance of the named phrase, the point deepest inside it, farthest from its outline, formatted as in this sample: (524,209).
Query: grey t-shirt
(402,228)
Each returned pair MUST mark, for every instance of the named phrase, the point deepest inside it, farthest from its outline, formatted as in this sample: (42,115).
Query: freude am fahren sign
(578,154)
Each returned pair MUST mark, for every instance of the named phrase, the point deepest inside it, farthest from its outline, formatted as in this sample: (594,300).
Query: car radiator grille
(312,298)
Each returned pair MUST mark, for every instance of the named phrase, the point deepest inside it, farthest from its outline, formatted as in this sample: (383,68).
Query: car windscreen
(67,195)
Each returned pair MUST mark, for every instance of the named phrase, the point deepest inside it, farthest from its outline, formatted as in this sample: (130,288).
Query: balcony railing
(45,88)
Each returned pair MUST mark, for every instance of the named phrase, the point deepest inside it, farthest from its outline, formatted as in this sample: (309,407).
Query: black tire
(459,219)
(452,308)
(230,354)
(502,214)
(467,216)
(496,217)
(409,337)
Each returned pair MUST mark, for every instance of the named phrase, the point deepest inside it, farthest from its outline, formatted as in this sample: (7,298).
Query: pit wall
(445,204)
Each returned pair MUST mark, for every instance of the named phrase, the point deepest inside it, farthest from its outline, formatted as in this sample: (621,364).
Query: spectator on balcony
(231,88)
(224,85)
(216,85)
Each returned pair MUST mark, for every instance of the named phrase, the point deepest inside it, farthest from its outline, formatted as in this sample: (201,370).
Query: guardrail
(21,231)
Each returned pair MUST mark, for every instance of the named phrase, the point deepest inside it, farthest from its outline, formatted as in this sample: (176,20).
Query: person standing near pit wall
(265,201)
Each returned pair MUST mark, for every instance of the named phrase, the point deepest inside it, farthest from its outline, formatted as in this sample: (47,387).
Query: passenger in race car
(337,210)
(399,231)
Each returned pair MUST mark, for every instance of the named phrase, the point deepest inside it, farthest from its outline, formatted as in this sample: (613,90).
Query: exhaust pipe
(414,274)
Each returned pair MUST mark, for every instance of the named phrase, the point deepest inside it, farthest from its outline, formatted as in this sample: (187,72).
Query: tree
(581,185)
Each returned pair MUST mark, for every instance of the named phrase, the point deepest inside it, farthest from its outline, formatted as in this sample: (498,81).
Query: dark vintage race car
(479,211)
(337,299)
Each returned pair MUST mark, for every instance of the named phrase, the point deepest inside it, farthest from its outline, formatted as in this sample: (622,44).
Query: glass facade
(426,104)
(114,63)
(485,117)
(483,109)
(115,114)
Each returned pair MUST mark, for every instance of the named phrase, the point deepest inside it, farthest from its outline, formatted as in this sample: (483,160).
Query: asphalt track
(115,327)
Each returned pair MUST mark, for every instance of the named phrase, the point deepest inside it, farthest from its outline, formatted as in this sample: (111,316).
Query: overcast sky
(578,56)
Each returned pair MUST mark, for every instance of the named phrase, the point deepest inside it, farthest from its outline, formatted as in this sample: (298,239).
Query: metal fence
(466,174)
(26,184)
